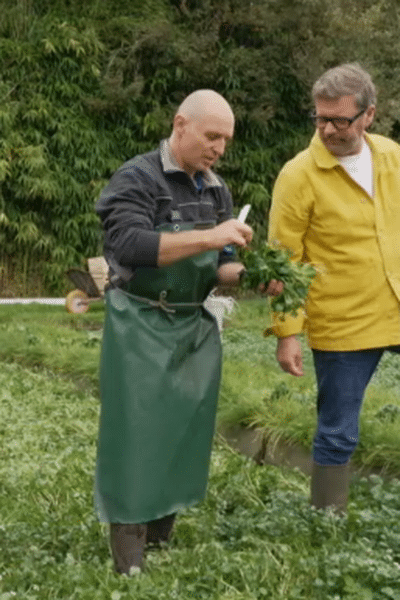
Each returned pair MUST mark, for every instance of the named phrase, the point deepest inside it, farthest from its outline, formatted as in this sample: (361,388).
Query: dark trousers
(342,378)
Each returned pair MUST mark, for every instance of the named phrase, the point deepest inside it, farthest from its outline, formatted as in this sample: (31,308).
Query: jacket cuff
(289,326)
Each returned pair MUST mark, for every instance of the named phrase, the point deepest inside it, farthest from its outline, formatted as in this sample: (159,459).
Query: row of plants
(255,392)
(255,537)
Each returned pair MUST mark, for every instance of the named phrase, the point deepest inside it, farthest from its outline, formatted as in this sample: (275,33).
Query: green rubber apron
(160,375)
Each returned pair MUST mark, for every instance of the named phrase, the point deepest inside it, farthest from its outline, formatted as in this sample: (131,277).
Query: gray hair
(348,79)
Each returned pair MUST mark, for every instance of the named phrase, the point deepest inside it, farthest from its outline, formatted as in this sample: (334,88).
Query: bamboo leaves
(4,169)
(84,87)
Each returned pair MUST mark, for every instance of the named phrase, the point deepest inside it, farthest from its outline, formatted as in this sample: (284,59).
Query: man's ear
(370,114)
(179,124)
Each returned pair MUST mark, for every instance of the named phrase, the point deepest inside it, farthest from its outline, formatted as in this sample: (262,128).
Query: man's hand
(229,273)
(230,232)
(288,354)
(176,246)
(274,288)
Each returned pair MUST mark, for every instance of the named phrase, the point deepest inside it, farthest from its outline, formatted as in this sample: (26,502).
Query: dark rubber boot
(330,486)
(159,530)
(127,546)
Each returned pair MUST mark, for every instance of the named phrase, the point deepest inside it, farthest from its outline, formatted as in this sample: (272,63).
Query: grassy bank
(255,537)
(255,392)
(47,336)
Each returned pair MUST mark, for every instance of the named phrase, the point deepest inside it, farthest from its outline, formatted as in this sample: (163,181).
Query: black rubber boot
(160,530)
(330,486)
(127,546)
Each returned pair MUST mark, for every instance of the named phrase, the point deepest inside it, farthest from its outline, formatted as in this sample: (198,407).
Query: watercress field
(255,536)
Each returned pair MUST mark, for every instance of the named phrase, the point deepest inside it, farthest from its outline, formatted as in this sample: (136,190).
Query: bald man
(169,238)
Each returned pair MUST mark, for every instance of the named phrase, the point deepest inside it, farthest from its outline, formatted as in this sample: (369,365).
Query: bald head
(203,124)
(202,103)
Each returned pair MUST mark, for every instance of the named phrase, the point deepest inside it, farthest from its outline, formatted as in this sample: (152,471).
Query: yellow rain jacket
(326,218)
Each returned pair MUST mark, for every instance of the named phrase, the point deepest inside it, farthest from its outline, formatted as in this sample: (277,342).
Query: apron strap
(161,303)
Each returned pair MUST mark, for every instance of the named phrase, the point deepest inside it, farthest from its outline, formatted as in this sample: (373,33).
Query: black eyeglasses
(339,123)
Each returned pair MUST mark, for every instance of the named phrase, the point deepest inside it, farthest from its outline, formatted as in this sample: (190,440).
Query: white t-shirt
(360,168)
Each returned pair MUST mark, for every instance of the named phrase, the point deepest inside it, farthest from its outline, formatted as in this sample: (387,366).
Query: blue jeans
(342,378)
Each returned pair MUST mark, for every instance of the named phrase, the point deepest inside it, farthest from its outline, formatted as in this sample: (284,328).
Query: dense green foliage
(84,86)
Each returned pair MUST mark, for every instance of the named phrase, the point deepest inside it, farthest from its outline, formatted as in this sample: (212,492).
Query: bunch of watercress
(268,262)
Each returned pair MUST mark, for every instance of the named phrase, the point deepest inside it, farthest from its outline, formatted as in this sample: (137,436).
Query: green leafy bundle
(268,263)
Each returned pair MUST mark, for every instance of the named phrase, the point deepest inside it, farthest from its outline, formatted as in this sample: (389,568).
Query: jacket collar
(170,165)
(323,158)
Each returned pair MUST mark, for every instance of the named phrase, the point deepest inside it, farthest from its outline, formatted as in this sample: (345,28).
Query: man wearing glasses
(337,205)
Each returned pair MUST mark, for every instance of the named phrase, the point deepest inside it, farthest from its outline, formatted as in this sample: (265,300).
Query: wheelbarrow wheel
(77,302)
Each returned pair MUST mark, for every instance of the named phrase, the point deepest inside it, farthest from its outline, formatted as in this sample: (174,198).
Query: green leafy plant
(268,263)
(255,536)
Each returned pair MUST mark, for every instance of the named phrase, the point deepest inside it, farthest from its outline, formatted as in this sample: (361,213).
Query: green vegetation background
(86,85)
(255,537)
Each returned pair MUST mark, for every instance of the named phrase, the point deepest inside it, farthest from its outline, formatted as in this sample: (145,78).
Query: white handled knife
(243,213)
